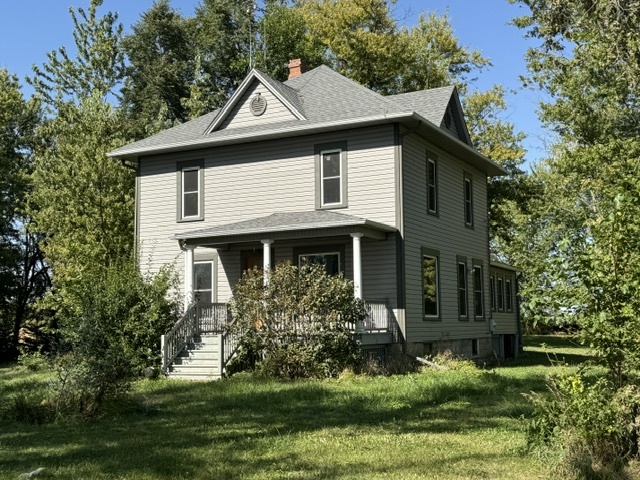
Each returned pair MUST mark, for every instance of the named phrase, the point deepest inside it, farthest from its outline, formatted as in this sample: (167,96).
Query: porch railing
(216,318)
(377,319)
(173,342)
(212,317)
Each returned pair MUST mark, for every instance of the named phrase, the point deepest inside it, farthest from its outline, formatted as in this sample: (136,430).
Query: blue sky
(31,28)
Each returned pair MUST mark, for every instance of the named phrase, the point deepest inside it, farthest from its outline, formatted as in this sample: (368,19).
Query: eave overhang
(409,119)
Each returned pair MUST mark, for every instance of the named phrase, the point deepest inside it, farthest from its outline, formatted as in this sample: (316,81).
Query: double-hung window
(468,201)
(500,294)
(190,194)
(462,289)
(432,185)
(478,293)
(329,260)
(430,285)
(203,281)
(508,296)
(331,175)
(493,293)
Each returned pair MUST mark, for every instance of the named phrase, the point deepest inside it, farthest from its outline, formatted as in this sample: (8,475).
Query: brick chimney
(296,68)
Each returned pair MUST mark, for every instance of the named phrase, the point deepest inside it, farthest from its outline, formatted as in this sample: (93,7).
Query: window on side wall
(462,289)
(478,292)
(430,285)
(492,285)
(500,294)
(508,296)
(432,184)
(331,175)
(190,190)
(468,201)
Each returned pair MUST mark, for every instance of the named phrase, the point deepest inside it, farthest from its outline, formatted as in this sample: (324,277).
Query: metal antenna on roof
(250,12)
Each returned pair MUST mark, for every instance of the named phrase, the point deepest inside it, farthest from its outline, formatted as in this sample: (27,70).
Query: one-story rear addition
(387,190)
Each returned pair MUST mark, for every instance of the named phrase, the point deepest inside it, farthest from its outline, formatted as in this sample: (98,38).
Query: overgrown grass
(462,424)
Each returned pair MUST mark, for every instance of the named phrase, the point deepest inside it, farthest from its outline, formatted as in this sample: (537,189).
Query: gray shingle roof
(285,222)
(325,101)
(322,95)
(431,104)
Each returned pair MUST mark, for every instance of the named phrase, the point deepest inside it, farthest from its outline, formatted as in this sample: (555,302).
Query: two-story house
(386,189)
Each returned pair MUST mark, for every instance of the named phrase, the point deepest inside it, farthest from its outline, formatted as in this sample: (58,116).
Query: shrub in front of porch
(300,324)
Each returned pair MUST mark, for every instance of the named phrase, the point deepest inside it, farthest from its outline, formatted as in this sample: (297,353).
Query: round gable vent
(258,105)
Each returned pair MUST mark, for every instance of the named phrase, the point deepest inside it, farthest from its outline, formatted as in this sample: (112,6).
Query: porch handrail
(230,342)
(173,342)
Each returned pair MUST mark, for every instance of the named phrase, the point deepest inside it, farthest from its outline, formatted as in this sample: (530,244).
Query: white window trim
(320,150)
(181,168)
(323,178)
(318,254)
(183,192)
(508,296)
(500,292)
(213,280)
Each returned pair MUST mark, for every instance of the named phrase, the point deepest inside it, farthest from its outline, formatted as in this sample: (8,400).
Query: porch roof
(285,226)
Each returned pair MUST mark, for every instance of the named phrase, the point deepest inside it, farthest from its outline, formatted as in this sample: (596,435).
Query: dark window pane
(500,294)
(330,261)
(190,205)
(493,293)
(468,202)
(477,292)
(203,276)
(462,289)
(204,296)
(430,285)
(331,192)
(190,180)
(331,165)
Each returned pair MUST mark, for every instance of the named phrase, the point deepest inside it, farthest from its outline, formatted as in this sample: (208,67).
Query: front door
(252,261)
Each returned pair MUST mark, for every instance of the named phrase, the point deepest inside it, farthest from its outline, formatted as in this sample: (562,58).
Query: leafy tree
(81,200)
(161,54)
(23,274)
(590,213)
(97,67)
(300,322)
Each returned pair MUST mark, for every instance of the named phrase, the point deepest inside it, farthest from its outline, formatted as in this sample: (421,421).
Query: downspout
(400,244)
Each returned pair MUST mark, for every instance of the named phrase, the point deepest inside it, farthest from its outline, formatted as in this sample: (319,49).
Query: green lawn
(429,425)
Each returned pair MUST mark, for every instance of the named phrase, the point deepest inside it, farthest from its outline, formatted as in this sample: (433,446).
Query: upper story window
(432,185)
(190,194)
(500,294)
(331,175)
(430,285)
(468,201)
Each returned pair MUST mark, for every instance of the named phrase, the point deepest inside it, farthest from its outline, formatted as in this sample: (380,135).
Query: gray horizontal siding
(505,322)
(446,233)
(253,180)
(241,116)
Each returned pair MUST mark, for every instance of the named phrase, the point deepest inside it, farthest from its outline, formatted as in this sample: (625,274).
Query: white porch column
(357,265)
(266,256)
(188,276)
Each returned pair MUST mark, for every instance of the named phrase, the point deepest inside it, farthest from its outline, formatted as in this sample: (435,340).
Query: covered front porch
(215,258)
